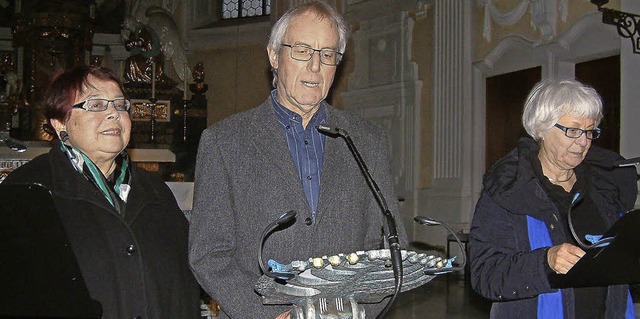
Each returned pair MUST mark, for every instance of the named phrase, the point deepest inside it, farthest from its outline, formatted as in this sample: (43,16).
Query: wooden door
(604,76)
(506,94)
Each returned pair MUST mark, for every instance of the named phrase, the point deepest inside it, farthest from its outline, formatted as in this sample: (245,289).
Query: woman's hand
(284,315)
(561,258)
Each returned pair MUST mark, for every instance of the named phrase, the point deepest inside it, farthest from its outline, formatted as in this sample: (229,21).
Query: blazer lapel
(336,159)
(269,140)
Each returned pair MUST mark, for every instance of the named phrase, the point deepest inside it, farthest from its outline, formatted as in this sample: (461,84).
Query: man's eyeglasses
(304,53)
(100,105)
(574,132)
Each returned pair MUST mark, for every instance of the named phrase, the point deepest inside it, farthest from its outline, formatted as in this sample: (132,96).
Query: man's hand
(561,258)
(284,315)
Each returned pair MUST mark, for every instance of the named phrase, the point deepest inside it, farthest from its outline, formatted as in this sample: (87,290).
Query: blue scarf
(550,304)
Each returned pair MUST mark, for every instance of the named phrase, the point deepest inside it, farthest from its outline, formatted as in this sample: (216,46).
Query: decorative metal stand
(335,287)
(152,105)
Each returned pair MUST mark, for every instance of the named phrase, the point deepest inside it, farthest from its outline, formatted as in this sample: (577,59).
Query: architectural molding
(229,36)
(544,15)
(384,89)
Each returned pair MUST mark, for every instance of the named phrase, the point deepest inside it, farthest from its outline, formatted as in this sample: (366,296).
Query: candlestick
(185,103)
(121,71)
(153,80)
(184,96)
(152,105)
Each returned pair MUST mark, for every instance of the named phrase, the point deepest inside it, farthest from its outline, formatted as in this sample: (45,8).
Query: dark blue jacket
(504,268)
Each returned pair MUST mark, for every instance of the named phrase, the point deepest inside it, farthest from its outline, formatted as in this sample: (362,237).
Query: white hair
(551,99)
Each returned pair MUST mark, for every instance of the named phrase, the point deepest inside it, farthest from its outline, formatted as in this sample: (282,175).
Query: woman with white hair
(521,238)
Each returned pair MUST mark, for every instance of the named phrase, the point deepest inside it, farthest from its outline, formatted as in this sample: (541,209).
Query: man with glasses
(539,204)
(257,165)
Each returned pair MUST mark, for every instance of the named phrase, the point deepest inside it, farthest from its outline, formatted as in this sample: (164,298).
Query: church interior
(445,79)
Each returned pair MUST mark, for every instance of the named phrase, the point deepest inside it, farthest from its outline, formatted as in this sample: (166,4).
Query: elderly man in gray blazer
(256,165)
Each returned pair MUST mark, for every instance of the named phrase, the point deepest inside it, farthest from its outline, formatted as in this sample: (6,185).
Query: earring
(64,136)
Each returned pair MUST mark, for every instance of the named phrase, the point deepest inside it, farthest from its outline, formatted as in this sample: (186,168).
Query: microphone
(597,243)
(427,221)
(392,238)
(627,162)
(282,220)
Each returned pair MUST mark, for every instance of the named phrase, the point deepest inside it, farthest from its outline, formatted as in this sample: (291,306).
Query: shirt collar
(285,116)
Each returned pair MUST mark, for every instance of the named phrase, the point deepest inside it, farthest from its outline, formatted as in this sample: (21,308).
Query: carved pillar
(384,89)
(448,94)
(449,198)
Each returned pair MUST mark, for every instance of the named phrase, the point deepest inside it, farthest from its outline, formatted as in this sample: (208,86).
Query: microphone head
(426,221)
(329,130)
(286,217)
(576,198)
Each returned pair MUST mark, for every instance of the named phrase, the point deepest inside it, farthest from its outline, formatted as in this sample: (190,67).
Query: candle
(122,71)
(153,80)
(184,97)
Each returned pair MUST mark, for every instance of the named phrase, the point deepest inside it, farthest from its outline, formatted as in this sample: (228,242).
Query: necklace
(562,181)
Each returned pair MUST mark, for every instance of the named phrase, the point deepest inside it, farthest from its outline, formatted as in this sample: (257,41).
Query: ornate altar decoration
(48,36)
(39,38)
(156,76)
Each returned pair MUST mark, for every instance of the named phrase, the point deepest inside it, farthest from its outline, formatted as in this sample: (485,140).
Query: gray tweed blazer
(245,178)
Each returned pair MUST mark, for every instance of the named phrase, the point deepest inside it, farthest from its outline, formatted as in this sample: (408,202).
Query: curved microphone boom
(282,220)
(427,221)
(392,238)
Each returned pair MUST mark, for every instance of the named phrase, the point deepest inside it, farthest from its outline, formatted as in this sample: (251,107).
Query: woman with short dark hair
(125,228)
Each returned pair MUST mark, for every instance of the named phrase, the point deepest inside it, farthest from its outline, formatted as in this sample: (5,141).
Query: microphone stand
(392,238)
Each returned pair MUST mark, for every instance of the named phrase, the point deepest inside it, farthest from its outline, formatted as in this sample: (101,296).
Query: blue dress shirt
(306,147)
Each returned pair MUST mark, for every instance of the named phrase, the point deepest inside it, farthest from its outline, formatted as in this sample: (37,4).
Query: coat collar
(68,183)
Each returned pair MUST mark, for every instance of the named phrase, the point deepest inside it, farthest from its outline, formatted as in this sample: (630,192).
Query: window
(233,9)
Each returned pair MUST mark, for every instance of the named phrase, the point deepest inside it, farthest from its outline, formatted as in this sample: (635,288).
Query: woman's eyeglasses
(574,132)
(100,105)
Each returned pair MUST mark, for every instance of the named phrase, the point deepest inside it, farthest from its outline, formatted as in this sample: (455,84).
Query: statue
(199,87)
(13,86)
(158,43)
(143,43)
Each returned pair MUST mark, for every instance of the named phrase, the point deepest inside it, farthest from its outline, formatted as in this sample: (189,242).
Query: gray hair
(551,99)
(322,11)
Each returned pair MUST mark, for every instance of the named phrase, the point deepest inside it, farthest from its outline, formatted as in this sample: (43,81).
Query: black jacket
(134,266)
(503,267)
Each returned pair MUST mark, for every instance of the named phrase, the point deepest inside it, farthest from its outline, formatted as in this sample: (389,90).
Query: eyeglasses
(304,53)
(574,132)
(100,105)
